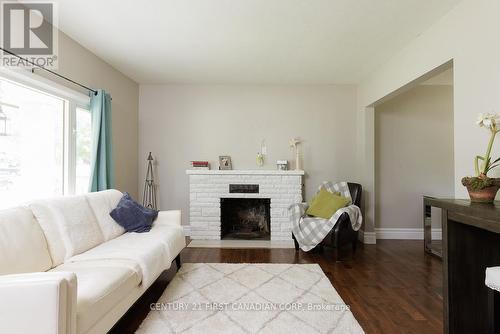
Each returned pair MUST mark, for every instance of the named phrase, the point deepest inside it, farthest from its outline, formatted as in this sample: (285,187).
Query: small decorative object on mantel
(282,164)
(259,159)
(294,142)
(260,155)
(481,188)
(204,165)
(149,195)
(225,162)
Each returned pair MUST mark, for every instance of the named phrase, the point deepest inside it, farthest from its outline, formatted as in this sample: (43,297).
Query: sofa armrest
(170,217)
(43,302)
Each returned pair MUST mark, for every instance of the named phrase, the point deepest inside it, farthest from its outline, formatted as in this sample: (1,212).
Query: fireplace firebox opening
(245,218)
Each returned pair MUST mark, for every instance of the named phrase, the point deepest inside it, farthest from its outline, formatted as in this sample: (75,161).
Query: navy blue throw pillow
(132,216)
(147,211)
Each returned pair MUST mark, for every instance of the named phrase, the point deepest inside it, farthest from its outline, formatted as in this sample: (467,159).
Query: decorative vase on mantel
(294,144)
(481,188)
(298,162)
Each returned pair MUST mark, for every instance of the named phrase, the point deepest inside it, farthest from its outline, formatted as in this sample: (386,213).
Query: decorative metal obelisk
(149,196)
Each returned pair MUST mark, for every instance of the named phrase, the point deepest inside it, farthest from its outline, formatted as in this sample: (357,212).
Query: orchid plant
(492,123)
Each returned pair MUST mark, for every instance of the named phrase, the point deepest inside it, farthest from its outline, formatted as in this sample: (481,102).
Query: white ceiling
(247,41)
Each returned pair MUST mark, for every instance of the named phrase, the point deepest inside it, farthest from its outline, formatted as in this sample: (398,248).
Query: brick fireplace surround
(207,187)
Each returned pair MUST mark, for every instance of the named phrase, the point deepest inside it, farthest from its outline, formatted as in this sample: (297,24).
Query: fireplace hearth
(245,218)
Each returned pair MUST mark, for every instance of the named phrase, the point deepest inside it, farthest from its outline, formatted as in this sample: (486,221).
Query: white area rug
(250,298)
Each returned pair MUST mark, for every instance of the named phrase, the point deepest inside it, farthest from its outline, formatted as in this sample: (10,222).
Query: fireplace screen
(245,218)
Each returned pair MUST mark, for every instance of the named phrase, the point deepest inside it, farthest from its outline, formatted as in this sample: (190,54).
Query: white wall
(413,154)
(469,36)
(81,65)
(183,123)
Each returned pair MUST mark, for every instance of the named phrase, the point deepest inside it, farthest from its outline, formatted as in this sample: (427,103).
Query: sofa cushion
(102,203)
(153,251)
(173,237)
(101,285)
(69,226)
(22,244)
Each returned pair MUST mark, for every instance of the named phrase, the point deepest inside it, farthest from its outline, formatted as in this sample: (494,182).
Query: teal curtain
(102,166)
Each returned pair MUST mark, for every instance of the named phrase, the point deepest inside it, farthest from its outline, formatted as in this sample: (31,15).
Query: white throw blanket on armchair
(310,231)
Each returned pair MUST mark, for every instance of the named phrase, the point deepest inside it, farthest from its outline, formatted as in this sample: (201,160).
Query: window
(83,148)
(45,143)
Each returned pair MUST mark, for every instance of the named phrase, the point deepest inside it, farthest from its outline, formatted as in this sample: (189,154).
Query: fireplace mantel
(244,172)
(208,187)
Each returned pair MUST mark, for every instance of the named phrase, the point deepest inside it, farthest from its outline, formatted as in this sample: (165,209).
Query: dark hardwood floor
(391,287)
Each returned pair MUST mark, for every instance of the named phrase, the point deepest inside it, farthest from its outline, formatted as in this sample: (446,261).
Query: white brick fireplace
(207,187)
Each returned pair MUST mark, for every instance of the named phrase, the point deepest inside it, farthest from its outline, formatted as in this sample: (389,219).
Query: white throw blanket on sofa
(150,251)
(310,231)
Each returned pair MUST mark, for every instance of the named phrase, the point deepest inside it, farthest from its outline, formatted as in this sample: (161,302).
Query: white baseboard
(367,237)
(406,233)
(370,238)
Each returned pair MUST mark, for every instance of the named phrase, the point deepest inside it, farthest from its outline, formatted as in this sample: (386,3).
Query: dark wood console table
(471,242)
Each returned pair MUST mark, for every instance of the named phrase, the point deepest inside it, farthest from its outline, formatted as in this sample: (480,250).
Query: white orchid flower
(488,121)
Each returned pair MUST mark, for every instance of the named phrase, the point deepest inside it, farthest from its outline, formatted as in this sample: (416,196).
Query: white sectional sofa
(67,267)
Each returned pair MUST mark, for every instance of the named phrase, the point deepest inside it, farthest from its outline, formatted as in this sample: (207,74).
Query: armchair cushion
(325,204)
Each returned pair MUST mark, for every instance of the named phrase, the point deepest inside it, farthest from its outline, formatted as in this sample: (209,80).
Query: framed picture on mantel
(225,162)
